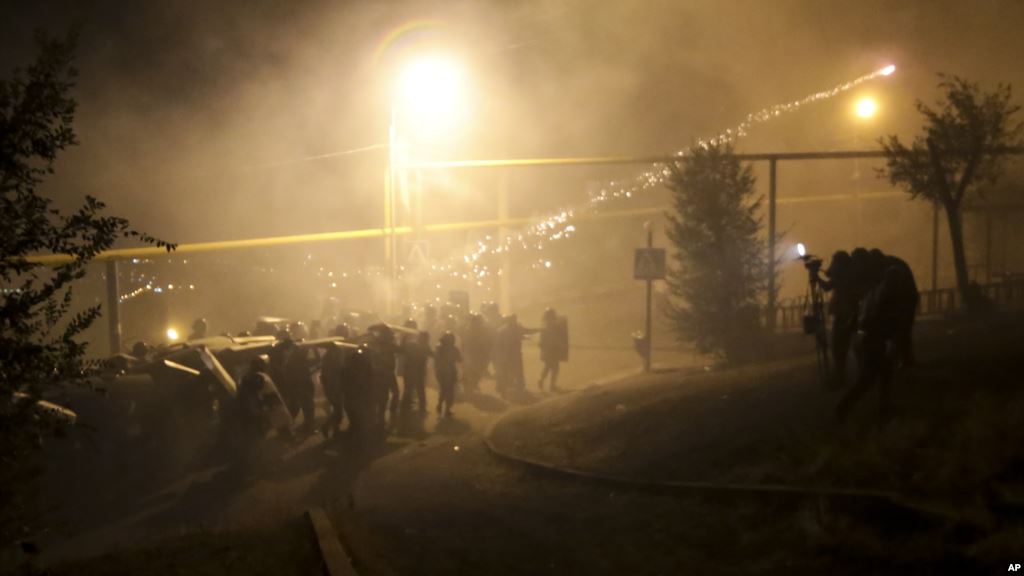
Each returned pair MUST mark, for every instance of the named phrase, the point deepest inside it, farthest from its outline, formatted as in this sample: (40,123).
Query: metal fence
(1007,294)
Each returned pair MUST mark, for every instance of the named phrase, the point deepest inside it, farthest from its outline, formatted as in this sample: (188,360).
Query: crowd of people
(360,373)
(874,299)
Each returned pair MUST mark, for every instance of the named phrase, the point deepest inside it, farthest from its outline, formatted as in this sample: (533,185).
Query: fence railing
(1007,293)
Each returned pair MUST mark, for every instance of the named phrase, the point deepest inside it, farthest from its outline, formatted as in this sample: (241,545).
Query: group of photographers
(873,303)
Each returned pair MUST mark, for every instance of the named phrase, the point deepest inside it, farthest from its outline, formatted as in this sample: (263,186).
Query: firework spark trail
(558,225)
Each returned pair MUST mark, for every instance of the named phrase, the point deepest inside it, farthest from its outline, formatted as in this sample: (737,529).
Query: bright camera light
(888,70)
(172,334)
(801,249)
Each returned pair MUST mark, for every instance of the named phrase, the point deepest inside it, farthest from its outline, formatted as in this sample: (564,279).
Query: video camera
(814,312)
(811,262)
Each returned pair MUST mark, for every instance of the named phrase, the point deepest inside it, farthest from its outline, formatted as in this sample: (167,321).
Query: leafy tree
(719,269)
(955,155)
(38,321)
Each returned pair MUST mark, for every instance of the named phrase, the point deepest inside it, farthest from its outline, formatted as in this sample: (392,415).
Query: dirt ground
(453,508)
(434,500)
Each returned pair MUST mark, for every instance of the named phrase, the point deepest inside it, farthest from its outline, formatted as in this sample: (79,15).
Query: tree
(719,271)
(957,152)
(38,321)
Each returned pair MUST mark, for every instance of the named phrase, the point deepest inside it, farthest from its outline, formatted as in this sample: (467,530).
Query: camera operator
(840,280)
(843,307)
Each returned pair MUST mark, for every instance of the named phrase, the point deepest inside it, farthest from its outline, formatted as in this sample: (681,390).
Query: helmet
(410,323)
(341,330)
(259,363)
(140,349)
(549,314)
(448,339)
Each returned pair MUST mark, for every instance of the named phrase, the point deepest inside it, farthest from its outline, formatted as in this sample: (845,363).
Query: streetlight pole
(390,215)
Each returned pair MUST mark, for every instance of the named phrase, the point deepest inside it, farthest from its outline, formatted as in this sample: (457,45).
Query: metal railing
(1007,293)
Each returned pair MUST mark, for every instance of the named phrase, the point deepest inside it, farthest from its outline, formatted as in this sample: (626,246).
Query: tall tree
(957,151)
(39,324)
(718,276)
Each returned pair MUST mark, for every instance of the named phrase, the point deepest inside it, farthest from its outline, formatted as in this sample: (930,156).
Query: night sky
(183,105)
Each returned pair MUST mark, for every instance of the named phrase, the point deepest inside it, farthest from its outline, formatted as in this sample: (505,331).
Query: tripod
(814,316)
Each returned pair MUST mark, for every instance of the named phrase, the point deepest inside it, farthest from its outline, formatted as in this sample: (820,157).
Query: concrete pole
(935,246)
(113,308)
(647,324)
(770,306)
(505,280)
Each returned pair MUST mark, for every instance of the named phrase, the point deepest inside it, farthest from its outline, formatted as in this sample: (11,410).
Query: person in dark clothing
(259,405)
(299,375)
(506,340)
(198,330)
(446,358)
(359,389)
(554,347)
(908,298)
(843,309)
(478,342)
(384,351)
(279,354)
(881,317)
(415,354)
(331,378)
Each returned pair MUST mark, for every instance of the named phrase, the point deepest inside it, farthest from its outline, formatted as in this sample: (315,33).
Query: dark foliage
(38,320)
(956,153)
(719,267)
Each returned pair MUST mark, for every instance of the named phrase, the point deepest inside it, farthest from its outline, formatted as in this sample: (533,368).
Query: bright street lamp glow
(801,249)
(429,93)
(172,334)
(866,107)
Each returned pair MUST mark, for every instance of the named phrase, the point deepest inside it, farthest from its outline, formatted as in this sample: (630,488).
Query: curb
(336,561)
(879,499)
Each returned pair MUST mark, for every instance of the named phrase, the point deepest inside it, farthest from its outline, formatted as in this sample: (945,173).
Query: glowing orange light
(866,107)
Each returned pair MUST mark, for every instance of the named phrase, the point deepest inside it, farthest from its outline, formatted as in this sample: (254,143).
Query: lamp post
(424,101)
(865,109)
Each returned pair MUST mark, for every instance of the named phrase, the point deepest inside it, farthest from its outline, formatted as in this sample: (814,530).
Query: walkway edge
(336,560)
(884,498)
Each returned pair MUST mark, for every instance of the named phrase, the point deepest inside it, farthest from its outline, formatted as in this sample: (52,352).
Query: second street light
(425,102)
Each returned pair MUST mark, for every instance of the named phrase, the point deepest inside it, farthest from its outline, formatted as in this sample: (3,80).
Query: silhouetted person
(554,346)
(881,317)
(259,405)
(299,376)
(331,375)
(359,388)
(506,354)
(843,308)
(298,331)
(908,298)
(198,329)
(415,354)
(278,359)
(384,350)
(446,358)
(477,342)
(140,350)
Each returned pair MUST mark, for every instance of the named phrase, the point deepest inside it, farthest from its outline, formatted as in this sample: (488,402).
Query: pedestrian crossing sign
(649,264)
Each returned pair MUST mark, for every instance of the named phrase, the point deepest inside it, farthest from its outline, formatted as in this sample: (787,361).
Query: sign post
(648,265)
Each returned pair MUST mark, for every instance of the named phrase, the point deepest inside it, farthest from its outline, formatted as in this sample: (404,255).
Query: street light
(426,100)
(866,107)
